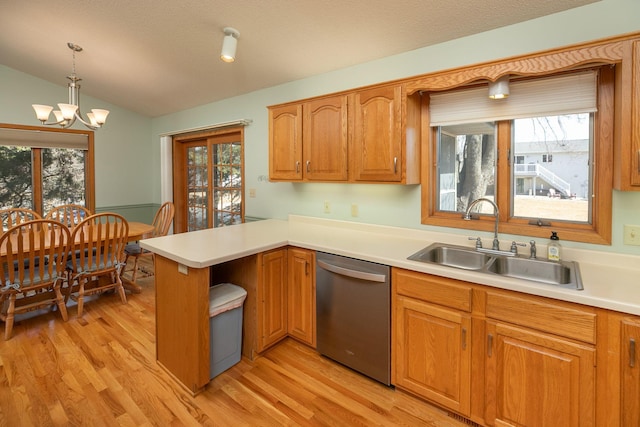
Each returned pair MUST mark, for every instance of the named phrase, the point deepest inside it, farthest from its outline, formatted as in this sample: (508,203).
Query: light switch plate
(632,235)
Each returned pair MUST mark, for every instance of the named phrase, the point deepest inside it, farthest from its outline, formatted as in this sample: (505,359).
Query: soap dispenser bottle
(554,248)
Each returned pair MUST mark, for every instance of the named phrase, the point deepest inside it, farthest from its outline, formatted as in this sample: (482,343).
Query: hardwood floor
(101,370)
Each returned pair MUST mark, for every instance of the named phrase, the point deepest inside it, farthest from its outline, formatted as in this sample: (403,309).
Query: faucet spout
(496,212)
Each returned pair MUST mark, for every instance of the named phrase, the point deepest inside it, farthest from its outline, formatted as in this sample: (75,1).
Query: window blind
(572,93)
(43,139)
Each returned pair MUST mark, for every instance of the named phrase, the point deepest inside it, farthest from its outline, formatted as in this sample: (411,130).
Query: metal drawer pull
(298,166)
(464,338)
(632,353)
(308,165)
(489,345)
(395,165)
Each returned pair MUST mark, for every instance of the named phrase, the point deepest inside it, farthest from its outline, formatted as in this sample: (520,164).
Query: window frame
(36,159)
(597,232)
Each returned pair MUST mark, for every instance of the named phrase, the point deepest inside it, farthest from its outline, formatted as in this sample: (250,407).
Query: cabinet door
(325,139)
(535,379)
(433,355)
(272,298)
(301,295)
(377,135)
(630,363)
(285,143)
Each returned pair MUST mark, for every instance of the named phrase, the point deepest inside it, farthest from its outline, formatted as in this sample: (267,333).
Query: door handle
(464,338)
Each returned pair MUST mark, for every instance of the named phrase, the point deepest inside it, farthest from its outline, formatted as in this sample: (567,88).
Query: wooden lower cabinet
(433,354)
(537,379)
(301,295)
(431,338)
(630,372)
(271,298)
(502,358)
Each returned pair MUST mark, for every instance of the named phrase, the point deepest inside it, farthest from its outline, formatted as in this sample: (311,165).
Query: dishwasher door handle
(352,273)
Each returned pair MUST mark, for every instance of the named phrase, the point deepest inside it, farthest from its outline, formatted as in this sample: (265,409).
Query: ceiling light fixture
(500,88)
(68,113)
(229,44)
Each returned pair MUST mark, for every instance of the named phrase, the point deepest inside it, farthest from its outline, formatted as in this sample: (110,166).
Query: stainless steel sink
(452,256)
(565,274)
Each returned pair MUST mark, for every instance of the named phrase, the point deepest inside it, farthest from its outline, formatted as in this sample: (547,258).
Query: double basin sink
(565,274)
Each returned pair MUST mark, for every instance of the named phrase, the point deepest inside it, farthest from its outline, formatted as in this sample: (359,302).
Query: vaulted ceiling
(157,57)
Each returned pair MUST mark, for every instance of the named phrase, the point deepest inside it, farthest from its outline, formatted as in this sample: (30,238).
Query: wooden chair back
(162,219)
(70,215)
(99,241)
(99,252)
(32,265)
(11,217)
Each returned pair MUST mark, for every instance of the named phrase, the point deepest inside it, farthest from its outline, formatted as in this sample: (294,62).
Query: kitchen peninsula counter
(187,264)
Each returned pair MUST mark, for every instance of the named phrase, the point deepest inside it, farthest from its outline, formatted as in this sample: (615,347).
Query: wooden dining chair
(70,215)
(161,224)
(95,267)
(13,216)
(32,265)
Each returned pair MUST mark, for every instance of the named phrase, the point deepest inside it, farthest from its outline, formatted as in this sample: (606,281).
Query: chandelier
(68,113)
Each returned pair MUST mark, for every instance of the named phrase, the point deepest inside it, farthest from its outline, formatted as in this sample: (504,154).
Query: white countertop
(610,280)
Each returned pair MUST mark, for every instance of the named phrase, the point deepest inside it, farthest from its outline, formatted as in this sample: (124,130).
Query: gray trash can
(225,326)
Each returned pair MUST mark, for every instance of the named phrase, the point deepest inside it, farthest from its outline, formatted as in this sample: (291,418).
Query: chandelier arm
(78,116)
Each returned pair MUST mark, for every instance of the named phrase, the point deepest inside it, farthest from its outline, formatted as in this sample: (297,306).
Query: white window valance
(43,139)
(566,94)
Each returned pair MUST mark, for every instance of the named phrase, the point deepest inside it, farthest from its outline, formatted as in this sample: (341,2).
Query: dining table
(137,231)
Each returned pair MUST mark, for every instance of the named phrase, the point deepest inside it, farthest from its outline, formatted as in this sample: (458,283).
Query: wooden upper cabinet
(370,135)
(627,147)
(384,145)
(325,138)
(285,142)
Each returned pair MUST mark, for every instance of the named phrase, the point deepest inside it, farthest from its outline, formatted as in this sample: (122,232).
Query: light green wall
(133,179)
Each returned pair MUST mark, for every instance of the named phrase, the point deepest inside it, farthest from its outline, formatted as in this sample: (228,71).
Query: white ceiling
(157,57)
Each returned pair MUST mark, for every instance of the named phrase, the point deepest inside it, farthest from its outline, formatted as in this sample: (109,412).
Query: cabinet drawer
(438,290)
(555,317)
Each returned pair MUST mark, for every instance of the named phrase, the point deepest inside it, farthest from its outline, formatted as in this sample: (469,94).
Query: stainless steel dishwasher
(353,314)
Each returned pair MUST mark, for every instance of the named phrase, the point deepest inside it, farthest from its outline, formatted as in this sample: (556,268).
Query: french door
(209,179)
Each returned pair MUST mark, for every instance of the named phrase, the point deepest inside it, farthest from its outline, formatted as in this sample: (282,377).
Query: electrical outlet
(632,235)
(252,192)
(183,269)
(354,209)
(327,207)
